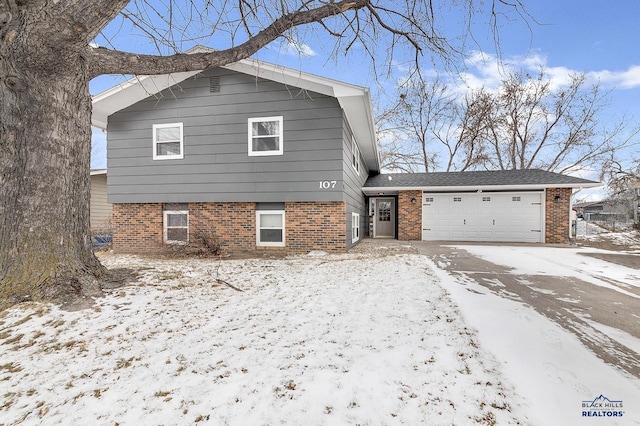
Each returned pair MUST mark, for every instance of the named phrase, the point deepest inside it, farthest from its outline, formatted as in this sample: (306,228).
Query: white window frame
(259,226)
(165,226)
(280,150)
(355,227)
(156,156)
(355,153)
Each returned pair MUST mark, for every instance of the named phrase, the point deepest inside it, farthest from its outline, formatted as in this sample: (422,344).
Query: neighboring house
(613,212)
(268,157)
(587,209)
(100,208)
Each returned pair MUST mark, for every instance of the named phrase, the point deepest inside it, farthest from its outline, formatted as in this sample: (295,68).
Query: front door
(385,218)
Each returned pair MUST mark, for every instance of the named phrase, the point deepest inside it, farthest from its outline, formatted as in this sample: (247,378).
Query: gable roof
(476,180)
(354,100)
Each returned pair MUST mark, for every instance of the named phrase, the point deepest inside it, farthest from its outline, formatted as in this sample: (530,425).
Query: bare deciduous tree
(527,123)
(621,176)
(47,59)
(434,129)
(536,125)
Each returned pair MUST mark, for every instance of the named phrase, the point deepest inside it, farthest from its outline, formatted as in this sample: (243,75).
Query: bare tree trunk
(45,136)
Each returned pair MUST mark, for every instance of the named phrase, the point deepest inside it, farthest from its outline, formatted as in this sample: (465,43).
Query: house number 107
(327,184)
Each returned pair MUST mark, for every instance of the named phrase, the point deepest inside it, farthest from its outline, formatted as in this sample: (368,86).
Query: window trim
(355,154)
(280,135)
(355,227)
(156,156)
(165,226)
(260,243)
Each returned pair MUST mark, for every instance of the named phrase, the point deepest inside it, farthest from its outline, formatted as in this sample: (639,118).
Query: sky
(599,39)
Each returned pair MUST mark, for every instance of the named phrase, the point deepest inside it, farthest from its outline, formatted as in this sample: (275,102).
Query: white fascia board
(296,78)
(360,117)
(98,172)
(131,91)
(376,190)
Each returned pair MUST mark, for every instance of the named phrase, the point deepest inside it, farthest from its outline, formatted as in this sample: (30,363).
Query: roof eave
(370,190)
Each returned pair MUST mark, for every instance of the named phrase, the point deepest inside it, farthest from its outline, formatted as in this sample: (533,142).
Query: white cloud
(628,79)
(292,47)
(485,70)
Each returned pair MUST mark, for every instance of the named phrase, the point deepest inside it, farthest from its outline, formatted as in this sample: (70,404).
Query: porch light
(413,201)
(557,199)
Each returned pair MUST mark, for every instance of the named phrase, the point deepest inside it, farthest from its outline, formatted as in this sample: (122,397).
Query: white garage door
(485,216)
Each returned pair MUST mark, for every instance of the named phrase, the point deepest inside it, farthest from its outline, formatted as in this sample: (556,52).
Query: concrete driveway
(594,294)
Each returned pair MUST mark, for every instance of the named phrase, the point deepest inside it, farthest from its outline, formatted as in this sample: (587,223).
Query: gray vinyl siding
(216,165)
(100,209)
(353,183)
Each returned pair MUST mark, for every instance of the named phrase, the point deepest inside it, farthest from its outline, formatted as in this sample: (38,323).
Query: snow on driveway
(560,262)
(313,340)
(554,372)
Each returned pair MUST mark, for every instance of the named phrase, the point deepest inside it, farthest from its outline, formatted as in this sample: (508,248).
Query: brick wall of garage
(557,215)
(410,215)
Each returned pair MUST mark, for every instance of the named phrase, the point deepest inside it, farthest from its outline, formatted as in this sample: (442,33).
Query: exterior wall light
(413,201)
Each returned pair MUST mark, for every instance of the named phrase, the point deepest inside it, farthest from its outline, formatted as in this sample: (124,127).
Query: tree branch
(104,61)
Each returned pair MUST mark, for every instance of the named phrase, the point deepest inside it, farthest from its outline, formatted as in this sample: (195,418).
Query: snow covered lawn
(361,338)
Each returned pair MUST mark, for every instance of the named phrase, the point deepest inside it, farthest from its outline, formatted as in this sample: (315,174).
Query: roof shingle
(475,178)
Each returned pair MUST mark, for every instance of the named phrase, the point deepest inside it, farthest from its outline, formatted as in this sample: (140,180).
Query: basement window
(355,227)
(270,228)
(176,226)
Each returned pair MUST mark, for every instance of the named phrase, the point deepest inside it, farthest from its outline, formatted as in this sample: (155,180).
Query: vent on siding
(214,84)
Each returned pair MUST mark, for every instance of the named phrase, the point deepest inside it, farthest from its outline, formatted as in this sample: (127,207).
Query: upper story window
(355,153)
(265,136)
(167,141)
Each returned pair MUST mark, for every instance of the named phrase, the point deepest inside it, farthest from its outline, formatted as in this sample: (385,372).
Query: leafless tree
(623,181)
(533,124)
(528,122)
(436,130)
(47,58)
(621,176)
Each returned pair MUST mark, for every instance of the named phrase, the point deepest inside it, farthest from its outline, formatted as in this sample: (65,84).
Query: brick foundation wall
(557,215)
(233,223)
(138,227)
(409,215)
(316,226)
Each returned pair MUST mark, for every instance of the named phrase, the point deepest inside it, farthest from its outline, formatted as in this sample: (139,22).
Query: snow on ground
(561,262)
(313,340)
(554,372)
(596,233)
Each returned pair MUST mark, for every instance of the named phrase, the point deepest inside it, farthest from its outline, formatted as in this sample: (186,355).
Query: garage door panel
(509,217)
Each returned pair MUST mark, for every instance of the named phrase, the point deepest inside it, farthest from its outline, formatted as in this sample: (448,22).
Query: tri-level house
(267,157)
